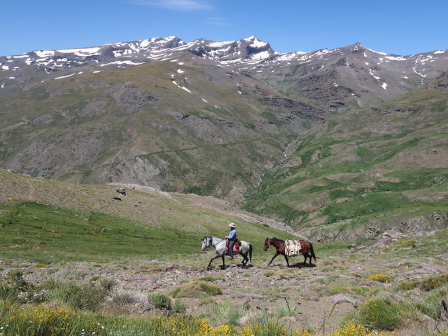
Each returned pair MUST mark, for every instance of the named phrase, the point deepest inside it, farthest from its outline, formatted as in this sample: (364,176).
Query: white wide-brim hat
(232,225)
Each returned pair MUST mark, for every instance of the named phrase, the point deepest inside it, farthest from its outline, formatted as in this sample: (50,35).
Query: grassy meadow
(48,221)
(77,259)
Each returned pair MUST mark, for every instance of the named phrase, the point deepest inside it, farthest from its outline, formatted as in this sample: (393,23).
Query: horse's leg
(223,262)
(306,256)
(210,263)
(245,259)
(275,256)
(286,258)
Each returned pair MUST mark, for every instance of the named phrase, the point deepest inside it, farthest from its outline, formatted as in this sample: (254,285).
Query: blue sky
(392,26)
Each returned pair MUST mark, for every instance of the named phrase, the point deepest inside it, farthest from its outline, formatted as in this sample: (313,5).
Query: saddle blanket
(292,248)
(235,248)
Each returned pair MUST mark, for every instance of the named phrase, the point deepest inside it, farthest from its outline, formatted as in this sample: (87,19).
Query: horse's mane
(279,240)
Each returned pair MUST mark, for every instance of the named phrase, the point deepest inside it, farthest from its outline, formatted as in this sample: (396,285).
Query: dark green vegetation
(381,167)
(197,289)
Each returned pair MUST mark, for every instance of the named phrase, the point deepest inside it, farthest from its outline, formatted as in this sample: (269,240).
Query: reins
(210,241)
(214,245)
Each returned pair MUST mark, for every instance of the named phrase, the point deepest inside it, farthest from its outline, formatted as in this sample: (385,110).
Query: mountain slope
(180,125)
(51,221)
(204,117)
(370,170)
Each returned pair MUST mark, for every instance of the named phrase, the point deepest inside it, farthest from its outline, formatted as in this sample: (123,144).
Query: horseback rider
(231,238)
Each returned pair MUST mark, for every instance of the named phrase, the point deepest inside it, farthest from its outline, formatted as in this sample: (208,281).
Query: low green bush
(384,314)
(17,290)
(427,284)
(431,305)
(196,289)
(87,296)
(159,300)
(179,307)
(433,282)
(208,278)
(381,278)
(122,298)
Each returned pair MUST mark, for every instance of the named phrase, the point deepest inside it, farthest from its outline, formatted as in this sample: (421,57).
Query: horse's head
(205,243)
(266,244)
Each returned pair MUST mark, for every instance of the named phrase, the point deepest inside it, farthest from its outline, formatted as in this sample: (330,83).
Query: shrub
(381,278)
(208,278)
(160,300)
(431,305)
(107,284)
(225,312)
(20,291)
(408,285)
(385,314)
(196,289)
(351,328)
(434,282)
(122,298)
(426,285)
(356,275)
(179,307)
(86,296)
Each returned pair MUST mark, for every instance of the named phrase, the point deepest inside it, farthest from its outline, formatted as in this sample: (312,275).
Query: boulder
(120,190)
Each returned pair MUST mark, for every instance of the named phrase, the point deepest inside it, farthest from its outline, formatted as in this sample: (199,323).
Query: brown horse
(306,249)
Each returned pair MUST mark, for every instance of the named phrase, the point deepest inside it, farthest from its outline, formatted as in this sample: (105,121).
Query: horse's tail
(250,252)
(312,252)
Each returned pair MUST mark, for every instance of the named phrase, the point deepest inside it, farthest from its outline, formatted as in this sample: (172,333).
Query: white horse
(219,244)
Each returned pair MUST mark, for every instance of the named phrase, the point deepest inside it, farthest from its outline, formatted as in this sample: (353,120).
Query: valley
(346,148)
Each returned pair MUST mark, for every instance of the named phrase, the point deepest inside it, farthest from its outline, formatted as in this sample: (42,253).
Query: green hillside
(368,170)
(49,221)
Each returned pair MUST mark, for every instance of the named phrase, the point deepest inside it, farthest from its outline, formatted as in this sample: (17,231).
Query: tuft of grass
(381,278)
(431,305)
(196,289)
(179,307)
(87,296)
(356,275)
(160,301)
(226,312)
(122,298)
(384,314)
(208,278)
(426,285)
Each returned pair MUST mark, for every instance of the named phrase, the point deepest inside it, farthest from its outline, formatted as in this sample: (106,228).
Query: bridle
(266,244)
(210,241)
(214,245)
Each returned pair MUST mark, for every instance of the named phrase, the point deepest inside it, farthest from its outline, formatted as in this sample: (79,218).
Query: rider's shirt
(232,235)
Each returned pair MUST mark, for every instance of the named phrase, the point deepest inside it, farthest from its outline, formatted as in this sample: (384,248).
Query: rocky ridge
(347,77)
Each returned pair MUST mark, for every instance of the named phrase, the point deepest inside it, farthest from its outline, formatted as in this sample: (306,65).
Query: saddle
(236,246)
(293,248)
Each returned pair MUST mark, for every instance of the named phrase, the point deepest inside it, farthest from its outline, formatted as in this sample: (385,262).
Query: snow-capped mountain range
(249,51)
(348,77)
